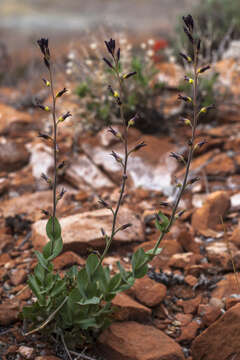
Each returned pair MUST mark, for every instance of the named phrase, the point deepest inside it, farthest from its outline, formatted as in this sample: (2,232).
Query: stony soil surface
(188,306)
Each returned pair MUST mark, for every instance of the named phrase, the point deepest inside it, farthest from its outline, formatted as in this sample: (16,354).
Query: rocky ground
(188,306)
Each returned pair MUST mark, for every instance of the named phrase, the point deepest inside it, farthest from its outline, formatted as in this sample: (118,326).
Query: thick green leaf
(139,259)
(57,248)
(122,271)
(91,264)
(47,250)
(58,288)
(93,301)
(52,250)
(33,284)
(115,282)
(86,323)
(53,235)
(74,295)
(103,278)
(39,272)
(141,272)
(43,262)
(82,282)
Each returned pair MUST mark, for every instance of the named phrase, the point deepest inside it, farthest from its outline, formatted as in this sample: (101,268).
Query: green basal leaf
(43,262)
(82,282)
(34,286)
(122,271)
(115,282)
(58,288)
(39,272)
(95,300)
(91,264)
(87,323)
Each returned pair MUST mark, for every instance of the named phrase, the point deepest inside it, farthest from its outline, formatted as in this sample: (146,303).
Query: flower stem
(54,151)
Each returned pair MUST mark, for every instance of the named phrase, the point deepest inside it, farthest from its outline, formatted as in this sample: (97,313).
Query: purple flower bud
(188,20)
(108,62)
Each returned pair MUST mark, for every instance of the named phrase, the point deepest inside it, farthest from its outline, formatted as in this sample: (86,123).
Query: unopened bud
(139,146)
(193,180)
(125,226)
(61,194)
(126,76)
(60,93)
(188,79)
(184,98)
(203,69)
(164,203)
(116,157)
(179,214)
(46,82)
(45,212)
(186,57)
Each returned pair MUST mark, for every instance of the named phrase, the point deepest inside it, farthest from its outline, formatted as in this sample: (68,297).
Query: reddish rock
(13,156)
(209,313)
(197,270)
(149,292)
(221,164)
(83,230)
(190,280)
(218,254)
(67,259)
(4,258)
(235,237)
(221,340)
(189,332)
(184,319)
(226,287)
(133,341)
(187,241)
(232,301)
(182,260)
(129,309)
(8,313)
(206,219)
(29,204)
(190,306)
(26,352)
(18,276)
(9,118)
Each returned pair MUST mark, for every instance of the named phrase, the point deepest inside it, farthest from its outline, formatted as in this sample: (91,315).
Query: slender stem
(125,162)
(190,151)
(54,151)
(65,346)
